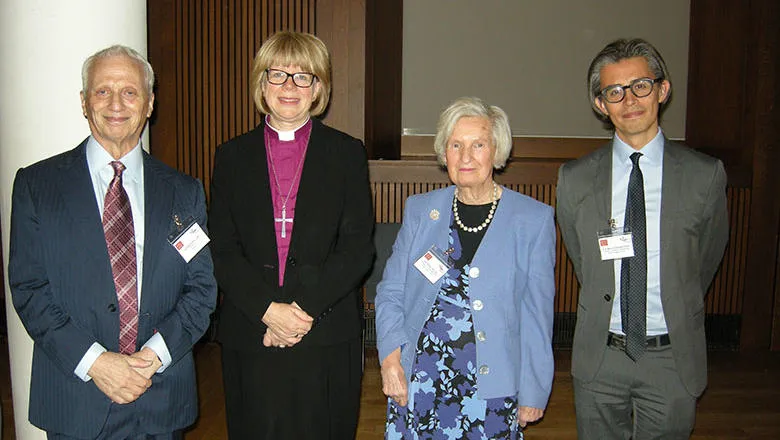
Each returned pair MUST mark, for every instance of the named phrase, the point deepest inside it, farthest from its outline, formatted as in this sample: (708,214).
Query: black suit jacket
(331,248)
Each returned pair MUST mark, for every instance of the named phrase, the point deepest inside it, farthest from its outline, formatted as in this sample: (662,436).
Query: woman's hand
(287,323)
(526,415)
(271,339)
(394,379)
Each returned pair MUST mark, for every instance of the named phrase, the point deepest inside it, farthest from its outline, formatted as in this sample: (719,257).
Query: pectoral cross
(283,220)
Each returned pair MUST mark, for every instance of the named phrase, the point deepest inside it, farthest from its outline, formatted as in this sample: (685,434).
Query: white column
(43,44)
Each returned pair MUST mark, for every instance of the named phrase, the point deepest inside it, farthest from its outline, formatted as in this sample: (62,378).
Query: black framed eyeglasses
(301,79)
(640,87)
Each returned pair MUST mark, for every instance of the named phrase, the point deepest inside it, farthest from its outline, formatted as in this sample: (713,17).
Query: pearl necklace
(484,223)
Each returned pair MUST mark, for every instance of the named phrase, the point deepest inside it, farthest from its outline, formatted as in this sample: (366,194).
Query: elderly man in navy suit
(110,270)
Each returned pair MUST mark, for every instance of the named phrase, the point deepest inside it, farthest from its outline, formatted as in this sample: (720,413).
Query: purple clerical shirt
(285,153)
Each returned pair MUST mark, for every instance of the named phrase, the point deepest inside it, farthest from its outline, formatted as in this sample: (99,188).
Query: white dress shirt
(101,172)
(651,164)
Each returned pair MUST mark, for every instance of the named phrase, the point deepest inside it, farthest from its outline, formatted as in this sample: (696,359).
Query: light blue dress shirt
(651,164)
(101,172)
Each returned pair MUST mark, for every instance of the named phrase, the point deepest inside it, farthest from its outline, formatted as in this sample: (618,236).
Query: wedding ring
(281,345)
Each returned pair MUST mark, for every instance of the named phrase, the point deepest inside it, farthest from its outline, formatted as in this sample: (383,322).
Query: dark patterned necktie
(633,273)
(120,239)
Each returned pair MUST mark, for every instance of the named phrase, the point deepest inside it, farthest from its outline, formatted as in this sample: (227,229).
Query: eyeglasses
(640,87)
(300,79)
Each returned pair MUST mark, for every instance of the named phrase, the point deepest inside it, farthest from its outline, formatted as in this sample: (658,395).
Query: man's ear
(601,106)
(664,90)
(83,103)
(151,106)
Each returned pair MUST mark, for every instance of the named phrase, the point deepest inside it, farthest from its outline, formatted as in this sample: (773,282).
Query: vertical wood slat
(727,290)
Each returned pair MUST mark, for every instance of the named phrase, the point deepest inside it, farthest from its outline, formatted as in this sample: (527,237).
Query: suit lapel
(671,188)
(602,185)
(77,189)
(257,177)
(313,175)
(499,225)
(79,200)
(444,206)
(158,209)
(671,183)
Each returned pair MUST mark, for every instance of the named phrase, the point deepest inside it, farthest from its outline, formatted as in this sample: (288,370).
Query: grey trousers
(640,401)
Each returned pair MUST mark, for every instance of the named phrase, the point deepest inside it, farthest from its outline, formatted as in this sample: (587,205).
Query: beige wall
(530,58)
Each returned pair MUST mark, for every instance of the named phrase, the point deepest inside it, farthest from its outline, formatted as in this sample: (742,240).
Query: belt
(619,341)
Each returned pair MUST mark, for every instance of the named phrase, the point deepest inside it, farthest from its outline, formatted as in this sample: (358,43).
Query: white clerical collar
(285,135)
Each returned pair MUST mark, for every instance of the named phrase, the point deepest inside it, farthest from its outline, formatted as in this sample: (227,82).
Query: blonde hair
(292,49)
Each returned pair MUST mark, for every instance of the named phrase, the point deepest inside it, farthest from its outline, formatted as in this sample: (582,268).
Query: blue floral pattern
(443,402)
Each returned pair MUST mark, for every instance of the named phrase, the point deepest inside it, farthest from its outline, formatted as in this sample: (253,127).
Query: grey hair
(113,51)
(474,107)
(617,51)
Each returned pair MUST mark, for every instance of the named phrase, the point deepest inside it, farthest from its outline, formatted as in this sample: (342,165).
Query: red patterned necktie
(120,239)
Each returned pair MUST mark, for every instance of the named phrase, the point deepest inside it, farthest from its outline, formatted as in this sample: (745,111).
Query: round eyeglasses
(640,87)
(279,77)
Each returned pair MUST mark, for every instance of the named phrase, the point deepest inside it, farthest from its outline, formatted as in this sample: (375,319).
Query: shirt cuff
(89,358)
(158,346)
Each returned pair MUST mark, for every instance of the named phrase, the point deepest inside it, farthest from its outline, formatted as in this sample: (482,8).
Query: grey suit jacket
(694,233)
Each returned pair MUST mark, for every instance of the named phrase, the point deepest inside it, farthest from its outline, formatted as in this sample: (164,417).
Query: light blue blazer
(511,293)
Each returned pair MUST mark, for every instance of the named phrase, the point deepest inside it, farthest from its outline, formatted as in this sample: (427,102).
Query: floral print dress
(443,402)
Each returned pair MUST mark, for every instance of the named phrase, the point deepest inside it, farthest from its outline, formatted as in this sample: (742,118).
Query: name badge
(434,264)
(189,239)
(615,245)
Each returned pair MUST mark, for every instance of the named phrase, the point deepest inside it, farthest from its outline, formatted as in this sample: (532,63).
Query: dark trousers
(293,393)
(122,424)
(640,401)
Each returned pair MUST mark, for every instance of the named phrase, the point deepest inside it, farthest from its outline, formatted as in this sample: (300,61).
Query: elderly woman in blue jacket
(464,311)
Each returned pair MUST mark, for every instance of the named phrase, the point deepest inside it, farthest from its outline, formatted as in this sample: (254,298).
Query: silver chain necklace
(484,223)
(284,219)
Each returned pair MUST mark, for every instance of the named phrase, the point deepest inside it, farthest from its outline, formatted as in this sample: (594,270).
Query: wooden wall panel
(384,63)
(733,114)
(341,25)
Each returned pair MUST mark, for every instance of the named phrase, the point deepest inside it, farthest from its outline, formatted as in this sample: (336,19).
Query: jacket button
(474,272)
(477,305)
(291,261)
(607,297)
(481,336)
(484,369)
(111,308)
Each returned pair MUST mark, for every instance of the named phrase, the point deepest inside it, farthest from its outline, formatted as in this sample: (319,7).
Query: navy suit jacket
(63,290)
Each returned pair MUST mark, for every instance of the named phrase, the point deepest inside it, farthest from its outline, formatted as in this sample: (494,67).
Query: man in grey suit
(109,271)
(646,233)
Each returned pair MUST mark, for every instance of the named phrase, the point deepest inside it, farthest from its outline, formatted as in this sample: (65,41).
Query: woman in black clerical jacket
(291,223)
